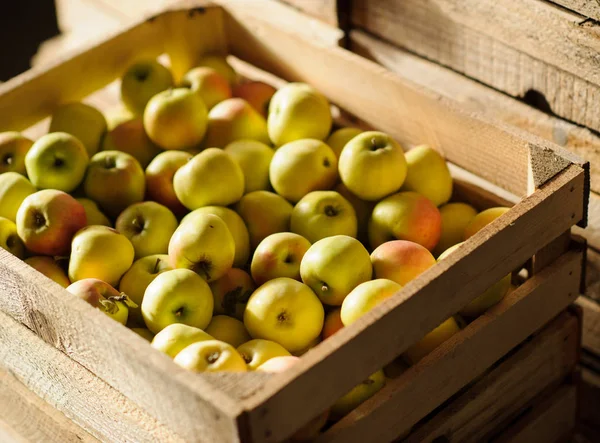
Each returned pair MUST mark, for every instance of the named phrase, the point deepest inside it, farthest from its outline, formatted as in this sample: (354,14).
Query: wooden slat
(589,8)
(508,388)
(589,416)
(591,324)
(407,399)
(325,10)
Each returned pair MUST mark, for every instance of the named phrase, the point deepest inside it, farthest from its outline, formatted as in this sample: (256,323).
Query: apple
(100,252)
(234,119)
(258,351)
(334,266)
(254,158)
(321,214)
(210,356)
(177,336)
(203,244)
(142,81)
(13,149)
(339,138)
(176,119)
(210,86)
(285,311)
(372,165)
(483,219)
(405,216)
(9,238)
(302,166)
(431,341)
(298,111)
(278,364)
(56,161)
(148,226)
(200,182)
(236,227)
(114,180)
(82,121)
(129,136)
(365,297)
(455,219)
(428,174)
(231,293)
(258,94)
(264,213)
(220,64)
(93,214)
(47,221)
(159,179)
(278,255)
(359,394)
(333,323)
(362,209)
(401,261)
(308,347)
(137,278)
(144,333)
(103,296)
(49,267)
(14,188)
(228,329)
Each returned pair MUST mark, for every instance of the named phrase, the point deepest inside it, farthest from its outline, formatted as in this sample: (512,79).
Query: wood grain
(591,324)
(325,10)
(589,8)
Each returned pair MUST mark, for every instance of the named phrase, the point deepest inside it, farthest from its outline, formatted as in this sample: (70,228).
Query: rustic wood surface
(589,8)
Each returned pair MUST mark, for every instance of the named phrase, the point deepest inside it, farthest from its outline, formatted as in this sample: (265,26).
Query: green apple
(144,333)
(455,219)
(372,165)
(256,352)
(14,188)
(334,266)
(210,356)
(114,180)
(176,119)
(401,261)
(228,329)
(148,226)
(298,111)
(219,63)
(13,149)
(200,181)
(49,267)
(483,219)
(56,161)
(129,136)
(231,293)
(321,214)
(428,174)
(339,138)
(365,297)
(177,296)
(137,278)
(142,81)
(431,341)
(9,238)
(210,86)
(264,213)
(285,311)
(100,252)
(236,227)
(204,245)
(303,166)
(359,394)
(159,179)
(278,255)
(234,119)
(84,122)
(104,297)
(258,94)
(254,158)
(48,220)
(177,336)
(362,209)
(93,213)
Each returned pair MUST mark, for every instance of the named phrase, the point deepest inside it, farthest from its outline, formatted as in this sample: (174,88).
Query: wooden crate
(112,383)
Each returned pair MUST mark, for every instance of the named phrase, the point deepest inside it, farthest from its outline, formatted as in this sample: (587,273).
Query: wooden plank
(325,10)
(507,388)
(553,420)
(589,416)
(551,252)
(589,8)
(591,324)
(418,391)
(513,46)
(593,275)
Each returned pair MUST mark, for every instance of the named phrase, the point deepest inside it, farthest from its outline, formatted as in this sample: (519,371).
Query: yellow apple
(279,363)
(228,329)
(308,347)
(333,323)
(14,188)
(144,333)
(177,336)
(372,165)
(258,351)
(204,245)
(200,182)
(220,64)
(159,179)
(210,86)
(428,174)
(303,166)
(210,356)
(483,219)
(100,252)
(254,158)
(362,209)
(298,111)
(278,255)
(84,122)
(130,137)
(49,267)
(365,297)
(104,297)
(231,293)
(13,149)
(431,341)
(285,311)
(401,261)
(334,266)
(339,138)
(321,214)
(142,81)
(359,394)
(9,238)
(93,213)
(455,219)
(258,94)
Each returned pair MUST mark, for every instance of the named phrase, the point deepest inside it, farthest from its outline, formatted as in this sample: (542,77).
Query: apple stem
(155,270)
(324,287)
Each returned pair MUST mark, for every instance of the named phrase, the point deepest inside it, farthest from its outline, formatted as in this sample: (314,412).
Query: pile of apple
(225,222)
